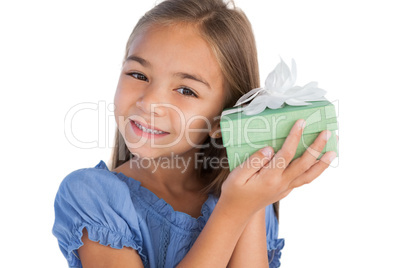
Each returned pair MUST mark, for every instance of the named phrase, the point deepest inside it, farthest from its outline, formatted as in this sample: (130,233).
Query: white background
(57,54)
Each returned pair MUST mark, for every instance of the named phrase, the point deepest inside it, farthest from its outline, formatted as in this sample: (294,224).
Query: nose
(150,102)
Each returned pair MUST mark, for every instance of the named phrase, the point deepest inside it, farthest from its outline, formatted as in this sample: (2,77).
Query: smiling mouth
(147,130)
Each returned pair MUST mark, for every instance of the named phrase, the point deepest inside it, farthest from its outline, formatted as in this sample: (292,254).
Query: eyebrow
(182,75)
(192,77)
(141,61)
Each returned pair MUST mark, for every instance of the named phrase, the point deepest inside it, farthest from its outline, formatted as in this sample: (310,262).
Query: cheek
(122,106)
(118,104)
(197,129)
(198,122)
(124,97)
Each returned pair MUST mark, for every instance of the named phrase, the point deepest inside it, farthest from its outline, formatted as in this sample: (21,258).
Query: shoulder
(92,182)
(94,194)
(95,199)
(90,176)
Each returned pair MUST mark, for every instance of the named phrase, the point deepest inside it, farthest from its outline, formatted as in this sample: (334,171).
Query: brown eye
(139,76)
(186,91)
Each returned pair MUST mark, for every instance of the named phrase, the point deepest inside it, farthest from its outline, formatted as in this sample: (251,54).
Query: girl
(169,199)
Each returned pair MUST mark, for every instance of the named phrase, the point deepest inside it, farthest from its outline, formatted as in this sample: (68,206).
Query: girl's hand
(265,177)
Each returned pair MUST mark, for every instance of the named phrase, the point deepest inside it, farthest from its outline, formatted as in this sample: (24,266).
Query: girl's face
(169,93)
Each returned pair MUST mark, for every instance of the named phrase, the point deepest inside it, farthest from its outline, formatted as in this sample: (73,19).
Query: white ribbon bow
(279,89)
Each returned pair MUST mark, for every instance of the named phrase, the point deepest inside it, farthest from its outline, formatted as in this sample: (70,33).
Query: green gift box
(243,135)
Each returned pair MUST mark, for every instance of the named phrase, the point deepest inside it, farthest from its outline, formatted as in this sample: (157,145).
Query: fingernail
(302,124)
(327,135)
(332,156)
(267,151)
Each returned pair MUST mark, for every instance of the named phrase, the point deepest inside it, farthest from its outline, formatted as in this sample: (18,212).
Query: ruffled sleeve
(274,244)
(96,200)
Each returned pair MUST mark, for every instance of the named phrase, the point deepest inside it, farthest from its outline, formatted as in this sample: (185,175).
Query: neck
(174,173)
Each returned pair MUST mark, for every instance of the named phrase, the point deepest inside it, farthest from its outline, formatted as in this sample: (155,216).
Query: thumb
(253,163)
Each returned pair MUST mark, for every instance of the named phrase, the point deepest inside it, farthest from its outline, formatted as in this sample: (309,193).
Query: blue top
(117,211)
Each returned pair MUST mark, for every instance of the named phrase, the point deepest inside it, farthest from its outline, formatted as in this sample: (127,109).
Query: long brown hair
(228,31)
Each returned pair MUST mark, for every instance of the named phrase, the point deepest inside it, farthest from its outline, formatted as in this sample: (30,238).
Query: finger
(309,157)
(254,163)
(315,171)
(288,150)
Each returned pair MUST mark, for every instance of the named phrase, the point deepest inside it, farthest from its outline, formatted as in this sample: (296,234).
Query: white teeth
(148,130)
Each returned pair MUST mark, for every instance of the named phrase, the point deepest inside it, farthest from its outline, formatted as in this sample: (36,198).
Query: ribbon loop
(279,89)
